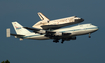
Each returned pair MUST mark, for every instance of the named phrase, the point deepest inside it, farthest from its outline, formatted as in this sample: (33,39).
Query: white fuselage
(75,31)
(58,22)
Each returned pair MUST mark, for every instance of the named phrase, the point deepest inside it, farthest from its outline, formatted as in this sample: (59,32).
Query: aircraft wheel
(62,41)
(89,36)
(55,40)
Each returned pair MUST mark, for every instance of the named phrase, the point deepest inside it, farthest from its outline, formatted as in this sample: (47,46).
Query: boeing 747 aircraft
(46,23)
(65,34)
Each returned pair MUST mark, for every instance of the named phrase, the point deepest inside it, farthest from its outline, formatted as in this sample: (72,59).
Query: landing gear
(55,40)
(62,41)
(89,35)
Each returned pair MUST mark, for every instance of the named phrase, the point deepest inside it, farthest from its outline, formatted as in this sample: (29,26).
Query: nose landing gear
(89,35)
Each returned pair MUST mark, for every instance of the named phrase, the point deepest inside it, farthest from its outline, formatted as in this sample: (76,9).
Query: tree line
(5,61)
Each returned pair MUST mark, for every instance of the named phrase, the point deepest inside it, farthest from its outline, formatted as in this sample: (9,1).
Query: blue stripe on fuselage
(63,31)
(80,29)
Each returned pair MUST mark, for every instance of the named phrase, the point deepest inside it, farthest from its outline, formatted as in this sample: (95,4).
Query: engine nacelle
(42,31)
(67,39)
(58,34)
(73,38)
(61,34)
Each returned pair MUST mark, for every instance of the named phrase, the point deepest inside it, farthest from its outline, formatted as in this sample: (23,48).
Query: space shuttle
(46,23)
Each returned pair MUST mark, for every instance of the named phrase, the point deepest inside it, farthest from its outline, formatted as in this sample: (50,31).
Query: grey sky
(82,50)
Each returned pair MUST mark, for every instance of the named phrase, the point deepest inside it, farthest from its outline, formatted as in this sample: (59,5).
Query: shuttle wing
(45,27)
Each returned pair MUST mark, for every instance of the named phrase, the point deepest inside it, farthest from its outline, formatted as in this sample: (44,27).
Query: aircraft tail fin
(42,17)
(19,29)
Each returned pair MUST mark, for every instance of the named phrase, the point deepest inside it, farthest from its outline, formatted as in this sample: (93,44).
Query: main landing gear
(89,35)
(62,41)
(57,40)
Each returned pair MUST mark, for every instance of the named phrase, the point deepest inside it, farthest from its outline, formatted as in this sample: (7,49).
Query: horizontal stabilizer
(37,30)
(16,35)
(8,33)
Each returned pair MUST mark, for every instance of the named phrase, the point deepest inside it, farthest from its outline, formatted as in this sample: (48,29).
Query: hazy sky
(82,50)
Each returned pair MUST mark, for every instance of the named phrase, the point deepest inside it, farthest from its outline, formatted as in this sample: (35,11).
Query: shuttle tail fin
(19,29)
(42,17)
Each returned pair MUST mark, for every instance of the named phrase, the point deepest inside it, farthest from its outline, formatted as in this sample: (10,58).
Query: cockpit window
(75,16)
(89,24)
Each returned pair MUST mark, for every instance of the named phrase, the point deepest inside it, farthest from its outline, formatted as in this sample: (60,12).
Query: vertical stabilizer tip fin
(8,32)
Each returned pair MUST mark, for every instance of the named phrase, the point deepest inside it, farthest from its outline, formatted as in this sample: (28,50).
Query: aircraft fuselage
(75,31)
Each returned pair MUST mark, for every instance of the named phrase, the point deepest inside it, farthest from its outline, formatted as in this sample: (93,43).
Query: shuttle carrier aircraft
(65,34)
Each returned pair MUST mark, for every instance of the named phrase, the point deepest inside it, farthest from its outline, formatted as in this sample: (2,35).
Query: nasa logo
(18,27)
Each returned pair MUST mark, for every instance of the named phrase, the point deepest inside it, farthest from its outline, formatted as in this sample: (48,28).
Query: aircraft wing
(33,29)
(39,30)
(48,33)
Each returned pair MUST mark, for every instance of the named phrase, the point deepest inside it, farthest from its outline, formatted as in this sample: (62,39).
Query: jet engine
(58,34)
(42,32)
(73,38)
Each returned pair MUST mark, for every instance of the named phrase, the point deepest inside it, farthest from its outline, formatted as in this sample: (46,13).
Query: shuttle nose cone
(79,20)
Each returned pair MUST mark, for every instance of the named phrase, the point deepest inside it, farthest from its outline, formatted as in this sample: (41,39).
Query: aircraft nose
(97,28)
